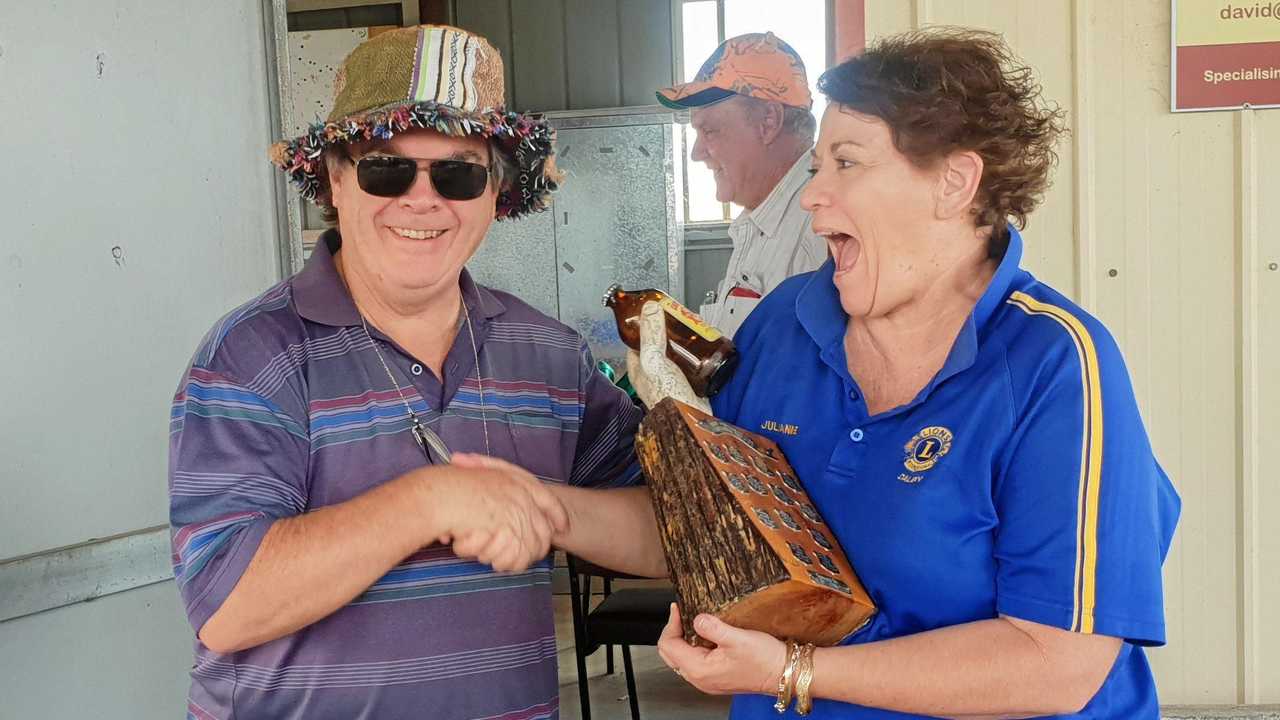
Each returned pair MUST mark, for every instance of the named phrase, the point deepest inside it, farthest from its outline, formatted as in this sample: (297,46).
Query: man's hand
(652,373)
(498,513)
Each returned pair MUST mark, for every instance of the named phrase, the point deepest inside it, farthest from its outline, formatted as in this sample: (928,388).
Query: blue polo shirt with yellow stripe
(1019,482)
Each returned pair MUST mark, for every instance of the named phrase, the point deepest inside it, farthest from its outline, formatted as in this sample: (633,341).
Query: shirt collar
(321,296)
(965,349)
(1001,281)
(767,216)
(819,311)
(818,307)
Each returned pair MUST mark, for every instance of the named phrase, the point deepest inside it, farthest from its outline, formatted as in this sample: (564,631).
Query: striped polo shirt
(1020,480)
(286,408)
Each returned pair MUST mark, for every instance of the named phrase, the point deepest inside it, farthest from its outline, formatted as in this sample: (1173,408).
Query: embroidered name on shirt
(784,428)
(925,449)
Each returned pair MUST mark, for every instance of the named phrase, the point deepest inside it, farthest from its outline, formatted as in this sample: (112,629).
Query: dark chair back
(625,617)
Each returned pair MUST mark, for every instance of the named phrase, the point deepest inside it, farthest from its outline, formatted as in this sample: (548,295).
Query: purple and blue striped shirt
(286,408)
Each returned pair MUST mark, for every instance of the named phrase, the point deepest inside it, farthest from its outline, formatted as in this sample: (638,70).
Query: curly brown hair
(941,90)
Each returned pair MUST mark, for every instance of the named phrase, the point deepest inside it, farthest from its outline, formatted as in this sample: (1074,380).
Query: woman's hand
(743,661)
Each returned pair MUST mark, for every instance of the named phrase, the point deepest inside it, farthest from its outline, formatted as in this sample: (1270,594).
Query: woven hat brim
(526,138)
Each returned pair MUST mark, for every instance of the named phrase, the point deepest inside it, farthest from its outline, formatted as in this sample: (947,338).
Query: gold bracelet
(804,678)
(784,681)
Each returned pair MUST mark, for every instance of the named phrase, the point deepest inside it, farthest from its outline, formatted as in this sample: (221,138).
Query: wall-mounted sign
(1225,55)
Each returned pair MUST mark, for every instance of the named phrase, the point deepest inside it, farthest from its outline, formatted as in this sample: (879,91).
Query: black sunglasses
(392,176)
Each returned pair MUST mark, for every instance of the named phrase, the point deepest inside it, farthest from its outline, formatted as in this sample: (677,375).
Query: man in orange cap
(749,104)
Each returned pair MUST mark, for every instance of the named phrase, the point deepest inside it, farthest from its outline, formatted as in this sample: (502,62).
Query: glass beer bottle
(705,356)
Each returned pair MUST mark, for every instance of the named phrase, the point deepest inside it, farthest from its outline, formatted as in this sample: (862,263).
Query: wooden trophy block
(742,539)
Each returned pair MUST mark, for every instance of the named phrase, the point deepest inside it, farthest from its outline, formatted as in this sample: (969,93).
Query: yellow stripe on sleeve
(1090,458)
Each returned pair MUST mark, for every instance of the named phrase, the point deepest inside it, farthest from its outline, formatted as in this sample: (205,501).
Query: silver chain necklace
(425,436)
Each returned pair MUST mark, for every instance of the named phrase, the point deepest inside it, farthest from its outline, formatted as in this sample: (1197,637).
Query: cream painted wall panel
(1165,211)
(1191,407)
(1265,596)
(1040,34)
(1122,216)
(885,17)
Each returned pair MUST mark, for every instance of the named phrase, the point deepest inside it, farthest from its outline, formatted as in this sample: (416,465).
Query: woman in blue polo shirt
(969,434)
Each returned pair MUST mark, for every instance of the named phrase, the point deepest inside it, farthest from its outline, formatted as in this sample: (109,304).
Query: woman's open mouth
(845,250)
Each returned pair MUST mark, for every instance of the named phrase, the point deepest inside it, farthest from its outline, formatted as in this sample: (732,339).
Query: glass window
(701,36)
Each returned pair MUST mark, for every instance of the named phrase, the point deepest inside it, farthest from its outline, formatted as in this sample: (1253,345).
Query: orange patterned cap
(755,65)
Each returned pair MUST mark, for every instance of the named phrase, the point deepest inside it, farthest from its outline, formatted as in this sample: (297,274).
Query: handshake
(489,510)
(498,513)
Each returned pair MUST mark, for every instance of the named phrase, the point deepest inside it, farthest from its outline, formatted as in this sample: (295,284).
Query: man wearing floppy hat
(370,460)
(749,104)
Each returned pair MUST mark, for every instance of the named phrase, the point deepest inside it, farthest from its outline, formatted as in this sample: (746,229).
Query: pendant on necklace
(428,439)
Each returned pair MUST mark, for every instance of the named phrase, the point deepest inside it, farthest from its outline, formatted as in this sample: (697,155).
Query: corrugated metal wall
(1167,227)
(577,54)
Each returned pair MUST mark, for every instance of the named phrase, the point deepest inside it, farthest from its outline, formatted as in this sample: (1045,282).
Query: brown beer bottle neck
(703,354)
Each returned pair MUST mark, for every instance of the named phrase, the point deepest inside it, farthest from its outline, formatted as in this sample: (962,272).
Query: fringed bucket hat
(433,77)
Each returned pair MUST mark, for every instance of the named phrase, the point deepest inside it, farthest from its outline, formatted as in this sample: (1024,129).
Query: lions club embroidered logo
(927,447)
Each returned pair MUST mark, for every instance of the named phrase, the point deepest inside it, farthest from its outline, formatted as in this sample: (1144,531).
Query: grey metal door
(136,207)
(612,223)
(613,220)
(519,256)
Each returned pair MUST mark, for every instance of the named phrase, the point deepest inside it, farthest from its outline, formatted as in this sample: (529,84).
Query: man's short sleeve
(605,455)
(1086,514)
(237,462)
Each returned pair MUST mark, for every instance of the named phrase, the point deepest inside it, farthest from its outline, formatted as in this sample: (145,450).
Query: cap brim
(693,95)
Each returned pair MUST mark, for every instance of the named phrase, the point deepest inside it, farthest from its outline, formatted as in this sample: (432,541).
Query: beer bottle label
(690,319)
